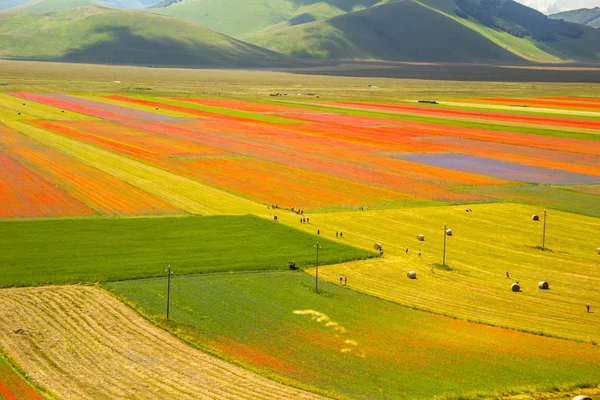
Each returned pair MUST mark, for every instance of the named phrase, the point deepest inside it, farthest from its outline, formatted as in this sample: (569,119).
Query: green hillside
(395,31)
(241,17)
(584,16)
(102,35)
(437,30)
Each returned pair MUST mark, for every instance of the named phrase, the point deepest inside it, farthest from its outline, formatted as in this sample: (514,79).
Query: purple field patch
(114,108)
(499,169)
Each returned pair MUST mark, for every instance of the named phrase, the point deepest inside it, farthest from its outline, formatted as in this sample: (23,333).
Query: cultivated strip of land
(81,343)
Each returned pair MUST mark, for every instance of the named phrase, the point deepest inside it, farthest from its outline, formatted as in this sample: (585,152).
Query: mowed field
(114,186)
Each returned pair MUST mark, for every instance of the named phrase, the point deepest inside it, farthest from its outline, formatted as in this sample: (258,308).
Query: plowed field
(81,343)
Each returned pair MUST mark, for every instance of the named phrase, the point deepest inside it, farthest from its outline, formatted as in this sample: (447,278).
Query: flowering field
(13,386)
(362,169)
(278,154)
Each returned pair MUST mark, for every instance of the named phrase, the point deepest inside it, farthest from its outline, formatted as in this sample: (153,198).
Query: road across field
(79,342)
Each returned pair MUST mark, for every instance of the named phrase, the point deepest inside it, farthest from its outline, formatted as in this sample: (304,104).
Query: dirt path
(80,343)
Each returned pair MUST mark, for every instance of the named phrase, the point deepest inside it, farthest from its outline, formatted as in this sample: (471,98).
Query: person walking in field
(588,307)
(341,279)
(419,253)
(345,280)
(318,231)
(336,234)
(341,234)
(406,249)
(507,274)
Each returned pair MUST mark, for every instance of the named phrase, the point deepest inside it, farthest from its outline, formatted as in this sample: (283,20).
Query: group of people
(344,280)
(305,220)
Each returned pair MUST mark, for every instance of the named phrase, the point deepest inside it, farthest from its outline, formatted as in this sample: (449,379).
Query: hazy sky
(554,6)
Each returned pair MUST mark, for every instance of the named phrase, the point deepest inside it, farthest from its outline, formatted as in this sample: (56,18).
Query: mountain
(5,4)
(102,35)
(46,6)
(43,6)
(584,16)
(437,30)
(242,17)
(395,31)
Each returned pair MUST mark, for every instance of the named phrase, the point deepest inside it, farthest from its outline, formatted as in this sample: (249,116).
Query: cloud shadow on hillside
(126,47)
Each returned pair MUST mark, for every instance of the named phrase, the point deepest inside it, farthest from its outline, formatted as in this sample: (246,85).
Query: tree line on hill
(517,20)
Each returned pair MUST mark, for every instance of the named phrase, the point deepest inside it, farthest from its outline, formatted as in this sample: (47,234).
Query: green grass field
(89,250)
(354,345)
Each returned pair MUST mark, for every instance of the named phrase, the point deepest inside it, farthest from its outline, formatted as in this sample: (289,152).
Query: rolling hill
(42,6)
(438,30)
(242,17)
(395,31)
(102,35)
(585,16)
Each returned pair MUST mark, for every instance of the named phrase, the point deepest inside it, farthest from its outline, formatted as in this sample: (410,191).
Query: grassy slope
(564,49)
(241,17)
(92,34)
(367,349)
(89,250)
(586,16)
(487,242)
(392,31)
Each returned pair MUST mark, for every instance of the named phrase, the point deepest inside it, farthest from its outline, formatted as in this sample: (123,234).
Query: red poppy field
(329,158)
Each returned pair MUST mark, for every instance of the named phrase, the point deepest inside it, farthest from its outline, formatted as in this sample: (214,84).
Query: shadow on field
(457,72)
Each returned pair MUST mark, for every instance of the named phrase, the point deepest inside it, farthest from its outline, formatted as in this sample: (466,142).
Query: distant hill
(437,30)
(46,6)
(242,17)
(395,31)
(584,16)
(102,35)
(43,6)
(5,4)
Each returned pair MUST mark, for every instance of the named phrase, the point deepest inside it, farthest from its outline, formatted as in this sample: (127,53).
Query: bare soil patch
(80,343)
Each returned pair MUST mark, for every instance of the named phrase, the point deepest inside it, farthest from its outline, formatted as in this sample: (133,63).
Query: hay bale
(448,232)
(543,285)
(421,237)
(515,287)
(535,217)
(411,274)
(582,397)
(377,246)
(598,250)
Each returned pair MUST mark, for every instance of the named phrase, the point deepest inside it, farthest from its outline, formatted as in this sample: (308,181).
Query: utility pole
(169,273)
(544,232)
(444,256)
(317,247)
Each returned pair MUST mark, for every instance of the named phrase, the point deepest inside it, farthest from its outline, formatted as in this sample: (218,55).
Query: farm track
(80,343)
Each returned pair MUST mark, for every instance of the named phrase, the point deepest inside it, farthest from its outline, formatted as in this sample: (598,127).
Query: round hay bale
(515,287)
(421,237)
(598,250)
(543,285)
(535,217)
(449,232)
(377,246)
(411,274)
(582,397)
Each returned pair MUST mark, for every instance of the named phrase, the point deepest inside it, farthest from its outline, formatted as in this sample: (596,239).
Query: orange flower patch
(252,354)
(23,193)
(243,105)
(100,191)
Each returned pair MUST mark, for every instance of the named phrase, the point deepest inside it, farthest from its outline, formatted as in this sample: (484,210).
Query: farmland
(113,183)
(274,321)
